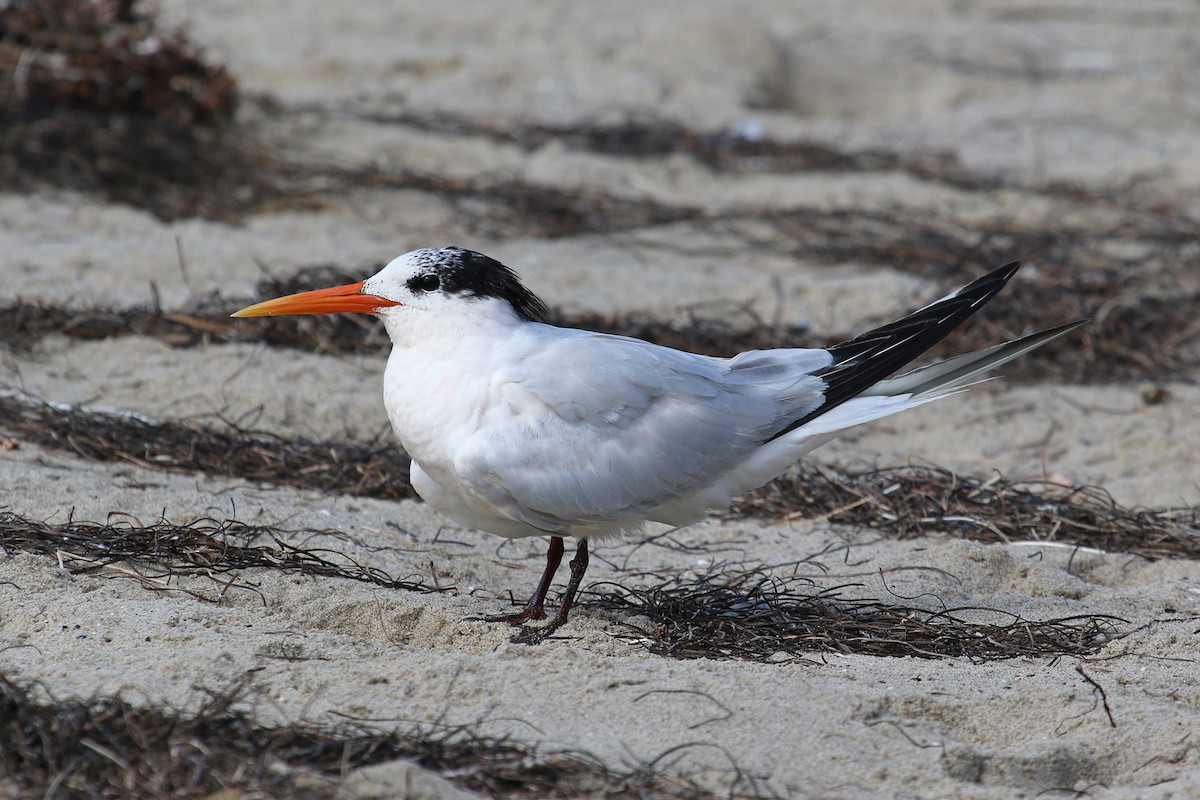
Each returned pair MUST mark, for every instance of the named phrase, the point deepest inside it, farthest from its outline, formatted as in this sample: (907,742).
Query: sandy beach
(998,126)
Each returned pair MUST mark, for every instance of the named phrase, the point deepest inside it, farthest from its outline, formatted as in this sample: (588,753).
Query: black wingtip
(869,358)
(987,286)
(926,326)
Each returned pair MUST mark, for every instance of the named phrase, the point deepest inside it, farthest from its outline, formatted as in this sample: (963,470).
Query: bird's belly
(462,507)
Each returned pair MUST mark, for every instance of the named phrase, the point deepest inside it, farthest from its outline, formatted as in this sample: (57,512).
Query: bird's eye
(428,282)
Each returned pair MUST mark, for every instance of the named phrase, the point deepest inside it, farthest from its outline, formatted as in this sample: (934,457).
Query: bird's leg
(536,607)
(579,565)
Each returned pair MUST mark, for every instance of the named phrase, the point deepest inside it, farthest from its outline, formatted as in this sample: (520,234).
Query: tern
(521,428)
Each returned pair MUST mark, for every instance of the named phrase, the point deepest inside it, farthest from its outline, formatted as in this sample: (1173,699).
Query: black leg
(579,565)
(536,607)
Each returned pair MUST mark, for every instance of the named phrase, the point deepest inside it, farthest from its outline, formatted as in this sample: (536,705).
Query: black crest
(454,270)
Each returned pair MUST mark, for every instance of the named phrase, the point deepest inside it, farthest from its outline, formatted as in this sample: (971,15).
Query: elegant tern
(521,428)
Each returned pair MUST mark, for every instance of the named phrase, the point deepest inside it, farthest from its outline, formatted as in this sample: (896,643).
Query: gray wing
(589,428)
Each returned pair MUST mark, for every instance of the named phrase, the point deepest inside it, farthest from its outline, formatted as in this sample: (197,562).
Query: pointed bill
(321,301)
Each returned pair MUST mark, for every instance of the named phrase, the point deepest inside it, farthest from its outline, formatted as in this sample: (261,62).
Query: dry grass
(96,97)
(752,614)
(161,553)
(728,611)
(370,470)
(1138,332)
(107,748)
(93,96)
(910,501)
(901,501)
(1126,276)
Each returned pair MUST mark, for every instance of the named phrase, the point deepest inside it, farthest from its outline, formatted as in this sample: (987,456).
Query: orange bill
(321,301)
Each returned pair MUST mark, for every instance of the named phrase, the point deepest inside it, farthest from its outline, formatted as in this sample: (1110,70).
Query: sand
(1029,94)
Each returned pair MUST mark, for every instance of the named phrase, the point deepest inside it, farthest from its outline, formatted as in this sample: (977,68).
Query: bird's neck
(438,382)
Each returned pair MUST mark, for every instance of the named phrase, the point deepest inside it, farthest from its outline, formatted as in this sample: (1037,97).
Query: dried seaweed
(900,501)
(95,96)
(640,136)
(1132,278)
(905,502)
(206,321)
(754,615)
(371,470)
(106,747)
(1129,276)
(725,612)
(23,324)
(205,547)
(1135,334)
(734,150)
(106,56)
(1144,327)
(737,328)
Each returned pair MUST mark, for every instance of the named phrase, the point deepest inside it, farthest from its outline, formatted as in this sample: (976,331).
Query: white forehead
(425,259)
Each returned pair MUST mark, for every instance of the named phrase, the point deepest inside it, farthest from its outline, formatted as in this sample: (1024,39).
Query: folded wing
(596,428)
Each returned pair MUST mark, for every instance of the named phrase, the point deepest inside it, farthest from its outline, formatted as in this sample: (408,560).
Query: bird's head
(443,279)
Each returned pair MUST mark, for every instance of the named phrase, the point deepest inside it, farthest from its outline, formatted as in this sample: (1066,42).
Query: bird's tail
(946,376)
(881,399)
